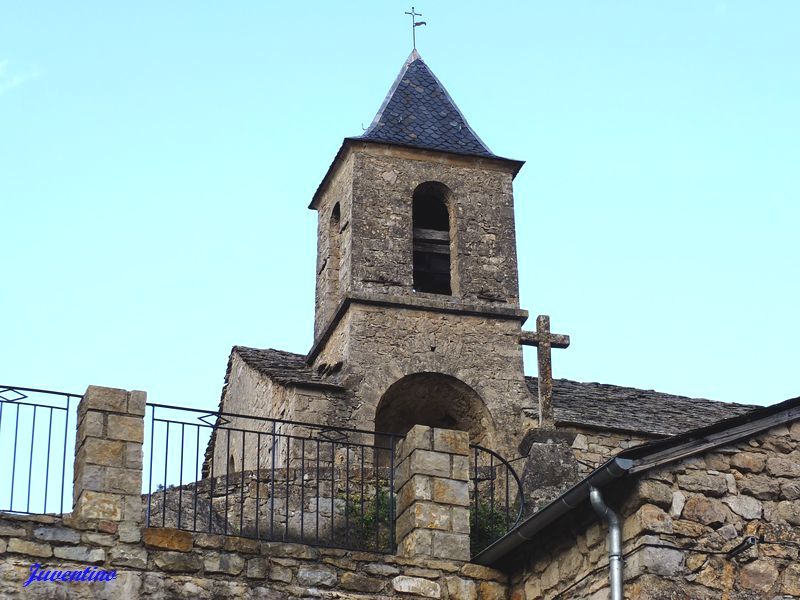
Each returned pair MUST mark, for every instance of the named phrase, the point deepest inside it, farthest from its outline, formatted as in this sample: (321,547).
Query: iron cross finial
(414,25)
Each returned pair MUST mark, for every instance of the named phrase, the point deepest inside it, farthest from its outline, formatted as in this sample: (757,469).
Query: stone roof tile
(605,406)
(284,367)
(594,405)
(419,112)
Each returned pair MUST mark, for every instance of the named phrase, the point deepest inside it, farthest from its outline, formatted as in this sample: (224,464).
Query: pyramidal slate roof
(419,112)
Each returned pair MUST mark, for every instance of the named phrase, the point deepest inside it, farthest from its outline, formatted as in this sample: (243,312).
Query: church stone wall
(250,393)
(483,353)
(339,190)
(384,180)
(679,524)
(336,348)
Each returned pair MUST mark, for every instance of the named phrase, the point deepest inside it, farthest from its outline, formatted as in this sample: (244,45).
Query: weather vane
(414,25)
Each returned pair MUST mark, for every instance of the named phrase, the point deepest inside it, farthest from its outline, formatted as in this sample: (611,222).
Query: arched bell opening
(431,216)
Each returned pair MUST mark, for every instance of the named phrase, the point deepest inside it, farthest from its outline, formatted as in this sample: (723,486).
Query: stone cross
(544,341)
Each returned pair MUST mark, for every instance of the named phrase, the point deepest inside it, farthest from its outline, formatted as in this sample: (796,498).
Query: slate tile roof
(419,112)
(284,367)
(604,406)
(594,405)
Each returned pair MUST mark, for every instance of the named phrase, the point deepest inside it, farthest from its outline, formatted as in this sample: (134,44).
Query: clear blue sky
(156,161)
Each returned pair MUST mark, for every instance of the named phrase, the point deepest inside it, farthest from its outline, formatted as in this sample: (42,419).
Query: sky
(157,160)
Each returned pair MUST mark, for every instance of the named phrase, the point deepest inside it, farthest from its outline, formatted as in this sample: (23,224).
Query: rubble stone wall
(328,295)
(251,393)
(593,447)
(484,354)
(107,530)
(311,505)
(680,523)
(168,563)
(484,253)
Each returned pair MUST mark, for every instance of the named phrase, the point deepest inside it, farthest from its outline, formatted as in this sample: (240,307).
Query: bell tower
(417,299)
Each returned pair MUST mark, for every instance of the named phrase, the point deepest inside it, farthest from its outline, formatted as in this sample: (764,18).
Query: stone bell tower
(417,299)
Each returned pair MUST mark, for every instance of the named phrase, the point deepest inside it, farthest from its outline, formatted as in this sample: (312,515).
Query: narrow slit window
(431,222)
(334,256)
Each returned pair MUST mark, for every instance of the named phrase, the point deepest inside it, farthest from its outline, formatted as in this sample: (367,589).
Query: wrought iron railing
(36,429)
(269,479)
(496,498)
(233,474)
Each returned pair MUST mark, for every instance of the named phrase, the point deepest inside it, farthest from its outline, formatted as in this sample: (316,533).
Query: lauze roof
(593,405)
(419,112)
(605,406)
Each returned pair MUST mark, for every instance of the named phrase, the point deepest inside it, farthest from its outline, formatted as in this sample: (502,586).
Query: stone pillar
(108,457)
(432,484)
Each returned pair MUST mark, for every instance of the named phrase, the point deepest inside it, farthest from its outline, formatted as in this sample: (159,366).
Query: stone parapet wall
(105,529)
(168,563)
(679,524)
(311,505)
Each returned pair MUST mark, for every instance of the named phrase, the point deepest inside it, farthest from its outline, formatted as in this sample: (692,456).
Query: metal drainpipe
(614,541)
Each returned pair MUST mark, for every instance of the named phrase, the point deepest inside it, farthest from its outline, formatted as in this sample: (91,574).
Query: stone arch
(436,400)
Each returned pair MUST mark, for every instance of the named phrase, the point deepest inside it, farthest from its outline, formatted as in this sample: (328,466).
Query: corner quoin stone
(108,464)
(432,494)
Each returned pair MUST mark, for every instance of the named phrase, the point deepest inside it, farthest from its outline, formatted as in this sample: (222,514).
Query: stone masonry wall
(340,191)
(380,346)
(251,393)
(482,353)
(432,485)
(384,180)
(106,531)
(679,524)
(592,447)
(313,505)
(168,563)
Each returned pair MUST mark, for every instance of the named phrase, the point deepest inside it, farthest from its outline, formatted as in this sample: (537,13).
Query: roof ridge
(638,389)
(239,347)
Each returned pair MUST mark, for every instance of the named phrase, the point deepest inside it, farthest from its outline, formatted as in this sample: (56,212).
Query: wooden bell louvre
(431,240)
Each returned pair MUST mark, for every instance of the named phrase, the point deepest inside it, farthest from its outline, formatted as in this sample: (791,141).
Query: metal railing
(269,479)
(36,428)
(233,474)
(496,498)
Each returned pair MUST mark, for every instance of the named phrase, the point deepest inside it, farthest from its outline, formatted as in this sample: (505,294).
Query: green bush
(487,524)
(371,520)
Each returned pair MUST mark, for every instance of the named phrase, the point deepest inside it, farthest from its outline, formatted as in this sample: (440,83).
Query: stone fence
(107,529)
(170,563)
